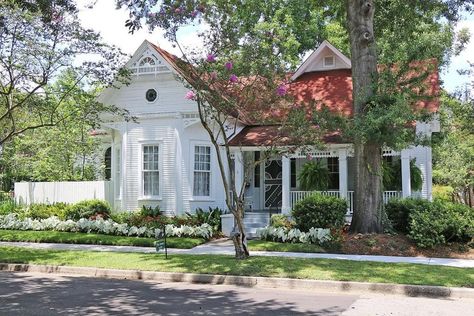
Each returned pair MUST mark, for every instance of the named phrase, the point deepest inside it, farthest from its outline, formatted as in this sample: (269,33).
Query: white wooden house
(166,157)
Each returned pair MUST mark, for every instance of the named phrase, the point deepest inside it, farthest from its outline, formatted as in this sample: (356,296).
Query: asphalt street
(45,294)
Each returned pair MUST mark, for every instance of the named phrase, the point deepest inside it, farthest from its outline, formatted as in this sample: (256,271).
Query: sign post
(161,241)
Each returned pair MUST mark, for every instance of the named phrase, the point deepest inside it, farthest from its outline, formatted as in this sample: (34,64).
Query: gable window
(202,171)
(151,170)
(329,61)
(146,65)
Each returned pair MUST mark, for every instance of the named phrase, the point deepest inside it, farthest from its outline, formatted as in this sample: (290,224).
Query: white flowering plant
(101,226)
(319,236)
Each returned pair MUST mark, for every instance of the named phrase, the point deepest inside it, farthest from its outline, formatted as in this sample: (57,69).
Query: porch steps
(254,221)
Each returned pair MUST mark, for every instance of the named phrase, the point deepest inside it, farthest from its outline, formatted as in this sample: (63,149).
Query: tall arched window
(108,164)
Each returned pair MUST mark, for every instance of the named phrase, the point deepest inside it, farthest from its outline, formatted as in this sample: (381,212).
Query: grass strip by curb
(248,281)
(262,245)
(296,268)
(94,239)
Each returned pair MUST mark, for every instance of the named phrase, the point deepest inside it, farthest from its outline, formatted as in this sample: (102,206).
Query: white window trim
(333,61)
(158,197)
(209,198)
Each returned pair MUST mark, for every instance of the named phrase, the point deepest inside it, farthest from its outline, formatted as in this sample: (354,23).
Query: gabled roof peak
(317,60)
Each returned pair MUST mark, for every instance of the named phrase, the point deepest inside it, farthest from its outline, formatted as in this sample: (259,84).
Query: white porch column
(406,177)
(343,182)
(239,171)
(285,185)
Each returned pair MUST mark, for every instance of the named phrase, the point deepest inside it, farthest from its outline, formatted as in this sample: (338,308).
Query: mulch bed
(400,245)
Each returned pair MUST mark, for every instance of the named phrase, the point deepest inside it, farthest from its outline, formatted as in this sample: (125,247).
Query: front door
(272,184)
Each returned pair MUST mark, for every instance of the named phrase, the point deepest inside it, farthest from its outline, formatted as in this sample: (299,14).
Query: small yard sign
(160,243)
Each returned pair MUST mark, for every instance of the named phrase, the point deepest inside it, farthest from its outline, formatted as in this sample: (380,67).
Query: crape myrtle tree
(385,39)
(38,40)
(232,82)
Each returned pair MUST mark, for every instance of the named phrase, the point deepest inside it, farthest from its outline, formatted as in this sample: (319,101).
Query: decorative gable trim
(147,51)
(316,54)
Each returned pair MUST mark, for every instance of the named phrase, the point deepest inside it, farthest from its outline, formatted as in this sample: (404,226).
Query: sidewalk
(225,247)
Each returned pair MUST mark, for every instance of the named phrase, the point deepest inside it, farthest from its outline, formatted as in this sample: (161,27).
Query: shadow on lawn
(22,294)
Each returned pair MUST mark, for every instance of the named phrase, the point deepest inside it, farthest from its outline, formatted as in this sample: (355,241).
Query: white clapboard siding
(66,192)
(171,96)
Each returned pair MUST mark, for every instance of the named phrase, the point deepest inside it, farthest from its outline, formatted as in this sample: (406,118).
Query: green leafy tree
(63,152)
(38,40)
(453,149)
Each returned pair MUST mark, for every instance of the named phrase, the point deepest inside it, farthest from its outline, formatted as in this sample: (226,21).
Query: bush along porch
(426,226)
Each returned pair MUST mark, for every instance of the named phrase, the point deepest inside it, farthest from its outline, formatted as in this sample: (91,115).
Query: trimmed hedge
(398,211)
(432,223)
(320,211)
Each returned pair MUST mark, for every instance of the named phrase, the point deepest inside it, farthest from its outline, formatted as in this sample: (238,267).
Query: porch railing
(297,196)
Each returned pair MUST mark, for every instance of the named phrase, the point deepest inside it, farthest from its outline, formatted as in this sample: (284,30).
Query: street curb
(248,281)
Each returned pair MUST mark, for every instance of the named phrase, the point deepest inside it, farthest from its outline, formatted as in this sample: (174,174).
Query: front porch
(273,185)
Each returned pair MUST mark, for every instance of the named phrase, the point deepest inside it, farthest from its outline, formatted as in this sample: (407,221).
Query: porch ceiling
(271,135)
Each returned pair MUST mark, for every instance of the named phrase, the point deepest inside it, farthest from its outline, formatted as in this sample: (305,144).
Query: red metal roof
(268,135)
(331,88)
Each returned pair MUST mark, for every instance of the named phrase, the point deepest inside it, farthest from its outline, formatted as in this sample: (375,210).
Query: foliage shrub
(8,206)
(319,211)
(211,217)
(87,209)
(398,211)
(432,223)
(443,222)
(42,211)
(150,211)
(280,220)
(443,192)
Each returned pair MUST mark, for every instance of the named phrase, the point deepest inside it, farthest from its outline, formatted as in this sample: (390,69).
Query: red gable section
(334,89)
(330,88)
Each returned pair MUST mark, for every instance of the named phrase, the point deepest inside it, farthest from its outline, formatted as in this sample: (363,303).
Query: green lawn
(262,245)
(320,269)
(96,239)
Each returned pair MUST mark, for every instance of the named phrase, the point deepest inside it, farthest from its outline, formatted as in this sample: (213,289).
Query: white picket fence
(296,196)
(66,192)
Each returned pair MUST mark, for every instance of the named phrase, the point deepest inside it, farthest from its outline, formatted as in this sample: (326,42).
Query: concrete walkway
(225,247)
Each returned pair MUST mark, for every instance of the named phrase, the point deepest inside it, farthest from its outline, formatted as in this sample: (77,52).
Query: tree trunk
(238,235)
(367,216)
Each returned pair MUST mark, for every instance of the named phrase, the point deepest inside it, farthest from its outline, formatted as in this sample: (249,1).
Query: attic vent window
(151,95)
(329,61)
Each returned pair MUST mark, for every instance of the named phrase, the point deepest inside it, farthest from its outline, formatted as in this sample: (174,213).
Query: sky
(104,18)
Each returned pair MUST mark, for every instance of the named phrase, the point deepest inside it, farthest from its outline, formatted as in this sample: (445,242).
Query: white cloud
(110,23)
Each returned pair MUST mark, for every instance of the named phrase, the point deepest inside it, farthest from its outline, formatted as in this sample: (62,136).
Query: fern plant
(392,176)
(314,176)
